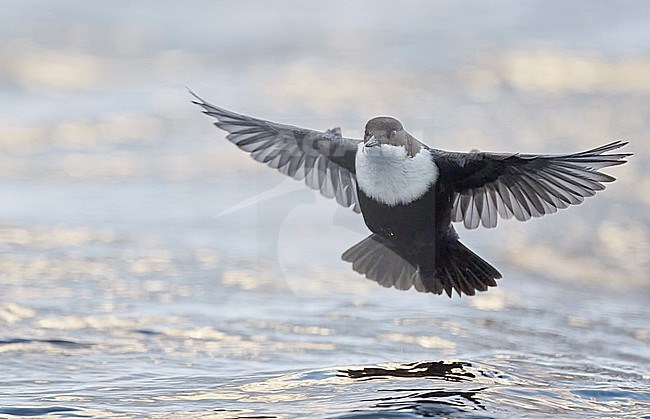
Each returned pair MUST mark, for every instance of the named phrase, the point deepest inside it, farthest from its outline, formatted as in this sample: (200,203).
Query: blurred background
(172,267)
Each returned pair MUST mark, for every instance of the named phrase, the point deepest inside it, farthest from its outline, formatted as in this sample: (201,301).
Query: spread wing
(325,160)
(523,185)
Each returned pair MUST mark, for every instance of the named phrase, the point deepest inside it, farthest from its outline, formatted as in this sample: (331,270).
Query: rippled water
(148,268)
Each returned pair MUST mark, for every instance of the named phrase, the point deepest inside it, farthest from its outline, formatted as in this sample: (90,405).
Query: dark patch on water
(56,342)
(438,402)
(147,332)
(38,411)
(452,371)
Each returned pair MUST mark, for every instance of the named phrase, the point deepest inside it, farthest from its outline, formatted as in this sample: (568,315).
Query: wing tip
(620,144)
(197,97)
(620,156)
(614,145)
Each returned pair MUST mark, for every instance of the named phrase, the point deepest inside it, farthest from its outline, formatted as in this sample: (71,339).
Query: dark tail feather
(455,267)
(451,266)
(380,260)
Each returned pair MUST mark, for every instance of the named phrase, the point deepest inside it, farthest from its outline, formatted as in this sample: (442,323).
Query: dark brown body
(419,223)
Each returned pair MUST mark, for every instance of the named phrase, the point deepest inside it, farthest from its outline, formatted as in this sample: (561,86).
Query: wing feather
(324,160)
(524,186)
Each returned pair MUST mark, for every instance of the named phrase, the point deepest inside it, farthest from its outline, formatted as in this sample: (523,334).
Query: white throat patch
(386,174)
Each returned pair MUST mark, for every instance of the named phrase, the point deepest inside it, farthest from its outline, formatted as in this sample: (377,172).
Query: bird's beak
(372,142)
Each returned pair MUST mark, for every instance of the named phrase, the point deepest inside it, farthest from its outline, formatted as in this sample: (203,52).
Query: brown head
(387,130)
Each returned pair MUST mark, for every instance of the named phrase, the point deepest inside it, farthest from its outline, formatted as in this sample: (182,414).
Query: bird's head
(384,130)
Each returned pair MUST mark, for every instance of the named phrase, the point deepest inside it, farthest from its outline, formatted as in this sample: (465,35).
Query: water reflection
(425,388)
(446,370)
(423,403)
(409,395)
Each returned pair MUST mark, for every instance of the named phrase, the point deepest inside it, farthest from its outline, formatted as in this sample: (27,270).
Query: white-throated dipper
(409,193)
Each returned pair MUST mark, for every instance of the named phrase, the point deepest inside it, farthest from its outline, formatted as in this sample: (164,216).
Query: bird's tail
(450,266)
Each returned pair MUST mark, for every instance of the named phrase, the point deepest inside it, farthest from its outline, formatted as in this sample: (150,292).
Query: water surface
(148,268)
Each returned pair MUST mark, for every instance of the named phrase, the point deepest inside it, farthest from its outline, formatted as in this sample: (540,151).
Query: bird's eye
(393,133)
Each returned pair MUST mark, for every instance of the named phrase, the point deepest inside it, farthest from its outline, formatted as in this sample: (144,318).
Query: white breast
(387,175)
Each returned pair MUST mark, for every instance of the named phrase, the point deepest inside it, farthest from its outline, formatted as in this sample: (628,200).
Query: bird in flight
(409,194)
